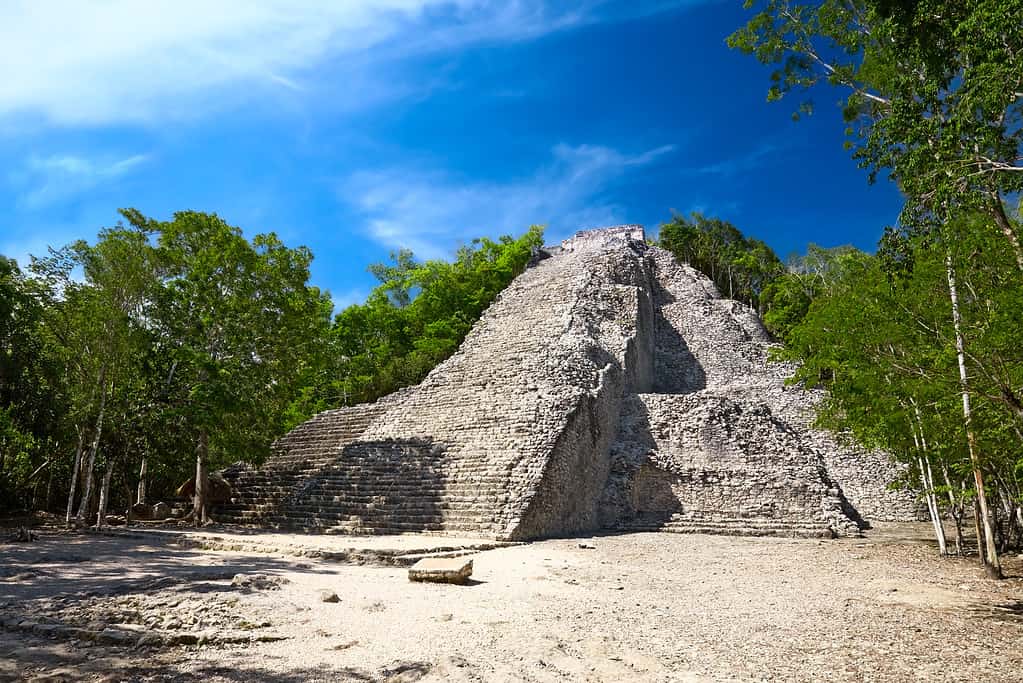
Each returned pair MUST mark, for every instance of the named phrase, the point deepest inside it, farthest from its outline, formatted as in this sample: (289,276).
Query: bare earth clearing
(637,607)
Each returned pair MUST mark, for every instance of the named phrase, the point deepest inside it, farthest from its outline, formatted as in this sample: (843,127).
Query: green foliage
(885,350)
(416,317)
(187,337)
(787,298)
(935,93)
(741,267)
(30,397)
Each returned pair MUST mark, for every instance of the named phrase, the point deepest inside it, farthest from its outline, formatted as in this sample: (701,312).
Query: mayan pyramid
(608,387)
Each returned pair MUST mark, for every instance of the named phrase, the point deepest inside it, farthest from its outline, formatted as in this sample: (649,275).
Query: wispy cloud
(44,180)
(430,211)
(743,163)
(122,60)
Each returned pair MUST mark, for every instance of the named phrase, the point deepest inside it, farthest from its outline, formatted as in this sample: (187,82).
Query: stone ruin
(608,387)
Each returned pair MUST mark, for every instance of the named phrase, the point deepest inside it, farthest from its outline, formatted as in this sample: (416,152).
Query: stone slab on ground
(441,570)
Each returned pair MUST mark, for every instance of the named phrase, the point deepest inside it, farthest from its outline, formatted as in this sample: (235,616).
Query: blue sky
(358,129)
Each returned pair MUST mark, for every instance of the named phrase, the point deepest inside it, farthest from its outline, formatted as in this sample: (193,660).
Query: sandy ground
(638,607)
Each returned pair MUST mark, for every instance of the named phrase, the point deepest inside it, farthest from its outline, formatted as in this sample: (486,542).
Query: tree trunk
(1005,225)
(927,475)
(141,495)
(201,515)
(49,490)
(83,507)
(958,509)
(932,507)
(74,476)
(989,552)
(104,497)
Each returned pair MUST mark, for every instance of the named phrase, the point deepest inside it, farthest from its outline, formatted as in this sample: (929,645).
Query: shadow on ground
(83,565)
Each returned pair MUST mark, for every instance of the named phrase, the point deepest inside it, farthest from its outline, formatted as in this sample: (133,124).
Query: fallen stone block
(441,570)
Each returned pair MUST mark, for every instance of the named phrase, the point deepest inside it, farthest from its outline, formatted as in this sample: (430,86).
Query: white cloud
(48,179)
(72,62)
(431,212)
(742,164)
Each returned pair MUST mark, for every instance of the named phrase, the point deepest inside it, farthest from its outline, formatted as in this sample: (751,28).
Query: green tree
(417,317)
(30,396)
(741,267)
(935,92)
(238,324)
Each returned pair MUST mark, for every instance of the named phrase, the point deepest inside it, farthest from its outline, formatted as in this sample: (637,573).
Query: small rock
(116,636)
(587,546)
(150,640)
(160,511)
(257,581)
(329,596)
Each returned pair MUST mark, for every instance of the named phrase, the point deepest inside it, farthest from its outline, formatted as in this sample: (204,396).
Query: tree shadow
(34,658)
(73,565)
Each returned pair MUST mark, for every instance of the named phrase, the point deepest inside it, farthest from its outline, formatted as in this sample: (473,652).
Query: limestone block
(441,570)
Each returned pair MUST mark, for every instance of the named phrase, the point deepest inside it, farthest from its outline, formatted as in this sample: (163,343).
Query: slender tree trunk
(927,476)
(49,489)
(200,511)
(958,511)
(83,507)
(74,475)
(1005,225)
(104,497)
(979,530)
(932,507)
(989,552)
(141,496)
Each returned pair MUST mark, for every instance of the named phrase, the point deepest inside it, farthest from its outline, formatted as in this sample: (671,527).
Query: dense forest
(166,347)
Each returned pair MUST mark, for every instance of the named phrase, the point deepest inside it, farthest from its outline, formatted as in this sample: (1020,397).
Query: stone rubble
(144,620)
(607,387)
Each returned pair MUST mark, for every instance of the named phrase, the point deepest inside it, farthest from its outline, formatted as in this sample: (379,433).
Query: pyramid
(608,387)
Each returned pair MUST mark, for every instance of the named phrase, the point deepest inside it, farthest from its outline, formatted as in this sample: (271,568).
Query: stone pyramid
(608,387)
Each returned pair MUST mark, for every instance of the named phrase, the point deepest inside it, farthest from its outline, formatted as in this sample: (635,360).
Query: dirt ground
(637,607)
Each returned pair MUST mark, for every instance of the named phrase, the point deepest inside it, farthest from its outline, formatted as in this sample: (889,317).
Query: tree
(892,352)
(741,267)
(786,298)
(936,100)
(238,322)
(417,317)
(30,400)
(935,92)
(97,327)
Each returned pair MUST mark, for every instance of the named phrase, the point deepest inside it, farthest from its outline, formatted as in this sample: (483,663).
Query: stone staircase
(296,457)
(728,526)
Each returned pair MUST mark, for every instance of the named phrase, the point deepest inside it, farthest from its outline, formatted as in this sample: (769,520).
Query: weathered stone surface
(608,385)
(441,570)
(258,581)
